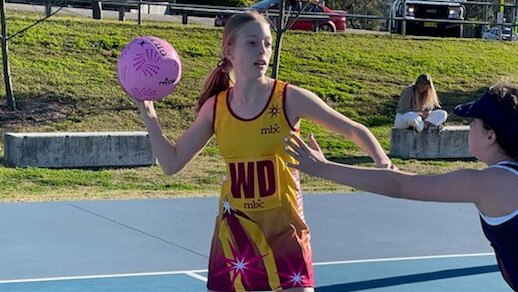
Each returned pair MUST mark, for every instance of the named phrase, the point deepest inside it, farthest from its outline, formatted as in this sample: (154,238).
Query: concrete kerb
(449,142)
(78,150)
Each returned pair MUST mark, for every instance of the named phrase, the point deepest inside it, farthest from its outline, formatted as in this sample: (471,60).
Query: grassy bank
(64,79)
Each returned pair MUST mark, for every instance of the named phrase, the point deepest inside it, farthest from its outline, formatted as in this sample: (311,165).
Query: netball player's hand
(309,158)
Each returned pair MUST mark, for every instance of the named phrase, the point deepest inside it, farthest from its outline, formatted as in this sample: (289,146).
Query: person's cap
(489,110)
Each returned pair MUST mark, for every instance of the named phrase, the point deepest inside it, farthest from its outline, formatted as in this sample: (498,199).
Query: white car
(494,34)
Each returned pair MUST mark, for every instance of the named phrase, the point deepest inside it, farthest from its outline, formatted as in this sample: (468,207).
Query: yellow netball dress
(261,241)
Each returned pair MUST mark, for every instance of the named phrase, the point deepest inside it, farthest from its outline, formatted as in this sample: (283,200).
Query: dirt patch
(36,111)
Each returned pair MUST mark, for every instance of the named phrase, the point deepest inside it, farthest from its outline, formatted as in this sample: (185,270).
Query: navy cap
(490,111)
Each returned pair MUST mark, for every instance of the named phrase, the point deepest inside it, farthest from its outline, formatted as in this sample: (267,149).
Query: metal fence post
(48,8)
(122,12)
(96,9)
(139,12)
(403,23)
(11,102)
(278,41)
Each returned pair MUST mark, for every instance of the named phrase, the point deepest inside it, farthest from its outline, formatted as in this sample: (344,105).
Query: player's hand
(309,157)
(387,165)
(146,107)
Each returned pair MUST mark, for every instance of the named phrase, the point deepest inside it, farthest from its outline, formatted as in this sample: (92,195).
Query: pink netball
(149,68)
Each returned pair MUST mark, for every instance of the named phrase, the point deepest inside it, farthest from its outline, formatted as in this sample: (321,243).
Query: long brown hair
(429,99)
(222,77)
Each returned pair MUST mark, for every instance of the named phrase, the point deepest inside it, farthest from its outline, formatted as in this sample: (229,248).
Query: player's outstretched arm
(457,186)
(173,157)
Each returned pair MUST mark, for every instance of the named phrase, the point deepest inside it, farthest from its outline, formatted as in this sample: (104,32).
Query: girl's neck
(246,89)
(498,159)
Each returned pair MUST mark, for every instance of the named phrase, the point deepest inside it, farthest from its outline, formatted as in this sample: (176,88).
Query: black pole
(139,16)
(278,41)
(11,102)
(97,9)
(48,8)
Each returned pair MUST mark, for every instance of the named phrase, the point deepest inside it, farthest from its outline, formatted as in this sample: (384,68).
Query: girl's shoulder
(297,91)
(207,109)
(500,176)
(409,90)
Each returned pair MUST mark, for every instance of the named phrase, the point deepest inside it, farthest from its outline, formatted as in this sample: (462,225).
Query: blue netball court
(360,241)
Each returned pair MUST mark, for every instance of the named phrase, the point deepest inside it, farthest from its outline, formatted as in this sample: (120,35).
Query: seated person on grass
(419,107)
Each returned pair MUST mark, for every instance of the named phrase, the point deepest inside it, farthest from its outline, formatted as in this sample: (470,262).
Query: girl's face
(251,51)
(422,88)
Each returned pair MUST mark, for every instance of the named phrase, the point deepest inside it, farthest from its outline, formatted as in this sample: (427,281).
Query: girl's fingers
(292,147)
(297,145)
(313,143)
(299,141)
(291,165)
(293,153)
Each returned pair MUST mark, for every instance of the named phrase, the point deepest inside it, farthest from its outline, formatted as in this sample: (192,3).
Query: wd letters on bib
(254,184)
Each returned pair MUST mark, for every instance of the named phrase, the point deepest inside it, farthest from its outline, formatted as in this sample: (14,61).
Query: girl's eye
(252,43)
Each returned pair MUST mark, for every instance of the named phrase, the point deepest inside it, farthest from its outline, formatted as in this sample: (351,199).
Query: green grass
(67,67)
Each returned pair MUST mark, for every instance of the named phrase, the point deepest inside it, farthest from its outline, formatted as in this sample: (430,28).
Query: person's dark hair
(507,98)
(221,77)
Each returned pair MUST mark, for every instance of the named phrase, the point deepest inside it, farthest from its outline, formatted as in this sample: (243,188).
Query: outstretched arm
(457,186)
(172,157)
(305,104)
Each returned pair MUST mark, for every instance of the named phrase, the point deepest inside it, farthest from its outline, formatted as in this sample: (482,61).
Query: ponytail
(217,81)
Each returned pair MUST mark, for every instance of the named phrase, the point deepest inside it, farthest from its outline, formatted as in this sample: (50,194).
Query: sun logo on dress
(226,206)
(274,110)
(242,264)
(294,278)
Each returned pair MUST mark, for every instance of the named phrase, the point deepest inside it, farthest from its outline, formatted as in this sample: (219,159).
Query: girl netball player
(493,139)
(261,241)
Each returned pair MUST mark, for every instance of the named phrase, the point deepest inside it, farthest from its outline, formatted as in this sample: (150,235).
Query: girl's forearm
(368,143)
(162,148)
(379,181)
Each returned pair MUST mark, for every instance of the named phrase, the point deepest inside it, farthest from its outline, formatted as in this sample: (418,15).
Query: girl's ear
(491,136)
(227,52)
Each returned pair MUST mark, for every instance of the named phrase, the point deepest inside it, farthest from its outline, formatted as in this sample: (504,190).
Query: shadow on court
(409,279)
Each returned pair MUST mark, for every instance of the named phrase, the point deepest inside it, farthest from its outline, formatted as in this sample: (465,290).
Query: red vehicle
(335,21)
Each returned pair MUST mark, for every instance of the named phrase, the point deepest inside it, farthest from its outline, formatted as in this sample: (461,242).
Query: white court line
(193,273)
(102,276)
(405,259)
(197,276)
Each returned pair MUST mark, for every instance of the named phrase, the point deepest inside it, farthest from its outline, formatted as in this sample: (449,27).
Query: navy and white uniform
(502,232)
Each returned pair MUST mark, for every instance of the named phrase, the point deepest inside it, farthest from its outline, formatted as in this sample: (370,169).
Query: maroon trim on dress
(258,115)
(284,90)
(214,113)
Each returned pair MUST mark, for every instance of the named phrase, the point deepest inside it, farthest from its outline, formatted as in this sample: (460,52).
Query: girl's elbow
(169,170)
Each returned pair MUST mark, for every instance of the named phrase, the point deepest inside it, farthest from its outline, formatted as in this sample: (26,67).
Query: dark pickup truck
(430,10)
